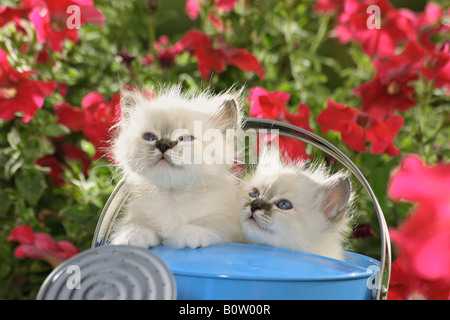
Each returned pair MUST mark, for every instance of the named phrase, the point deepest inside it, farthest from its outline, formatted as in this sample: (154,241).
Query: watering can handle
(121,193)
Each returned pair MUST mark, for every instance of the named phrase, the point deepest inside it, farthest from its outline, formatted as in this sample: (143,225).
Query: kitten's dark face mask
(260,204)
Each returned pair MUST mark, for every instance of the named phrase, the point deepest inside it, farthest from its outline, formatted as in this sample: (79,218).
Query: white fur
(174,202)
(306,227)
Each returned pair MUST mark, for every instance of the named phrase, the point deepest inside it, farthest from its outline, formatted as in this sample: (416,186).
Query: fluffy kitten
(176,157)
(289,206)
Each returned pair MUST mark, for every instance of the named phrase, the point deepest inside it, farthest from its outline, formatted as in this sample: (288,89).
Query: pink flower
(424,238)
(18,93)
(426,185)
(41,246)
(193,7)
(271,105)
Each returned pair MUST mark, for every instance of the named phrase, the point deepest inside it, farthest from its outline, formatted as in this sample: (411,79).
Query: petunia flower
(395,26)
(193,7)
(165,53)
(271,105)
(382,99)
(225,5)
(64,152)
(41,246)
(329,6)
(424,238)
(19,93)
(214,60)
(406,286)
(358,127)
(436,62)
(95,118)
(8,14)
(54,20)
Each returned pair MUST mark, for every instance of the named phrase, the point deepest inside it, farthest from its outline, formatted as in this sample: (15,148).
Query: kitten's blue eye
(186,138)
(149,137)
(284,205)
(254,193)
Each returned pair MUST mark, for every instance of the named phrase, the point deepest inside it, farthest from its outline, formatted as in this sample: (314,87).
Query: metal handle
(121,193)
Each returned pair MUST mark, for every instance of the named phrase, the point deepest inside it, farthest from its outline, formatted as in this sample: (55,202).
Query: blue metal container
(239,271)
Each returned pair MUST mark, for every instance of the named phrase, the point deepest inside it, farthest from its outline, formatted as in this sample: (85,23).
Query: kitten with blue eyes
(179,197)
(289,206)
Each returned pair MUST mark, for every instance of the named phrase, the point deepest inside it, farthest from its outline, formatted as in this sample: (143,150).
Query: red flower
(400,67)
(53,20)
(363,230)
(271,105)
(424,238)
(431,17)
(41,246)
(244,60)
(8,14)
(95,118)
(211,60)
(443,78)
(18,93)
(436,61)
(329,6)
(406,286)
(166,54)
(381,99)
(357,127)
(395,26)
(57,161)
(432,60)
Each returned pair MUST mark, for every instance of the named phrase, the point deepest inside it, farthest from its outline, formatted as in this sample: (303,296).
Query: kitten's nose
(259,204)
(165,144)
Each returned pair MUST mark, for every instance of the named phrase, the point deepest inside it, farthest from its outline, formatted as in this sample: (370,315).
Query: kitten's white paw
(192,236)
(137,236)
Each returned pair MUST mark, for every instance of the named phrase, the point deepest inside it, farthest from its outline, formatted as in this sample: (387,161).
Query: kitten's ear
(228,115)
(270,160)
(336,198)
(129,100)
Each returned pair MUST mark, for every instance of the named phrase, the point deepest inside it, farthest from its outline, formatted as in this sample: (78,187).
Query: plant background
(291,41)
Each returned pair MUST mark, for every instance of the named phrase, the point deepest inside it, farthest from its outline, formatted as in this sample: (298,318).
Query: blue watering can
(231,271)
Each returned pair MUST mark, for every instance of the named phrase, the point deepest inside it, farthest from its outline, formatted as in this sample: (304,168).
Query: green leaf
(55,130)
(14,162)
(31,185)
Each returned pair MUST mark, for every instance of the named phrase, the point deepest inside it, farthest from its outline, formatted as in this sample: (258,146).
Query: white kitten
(176,158)
(289,206)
